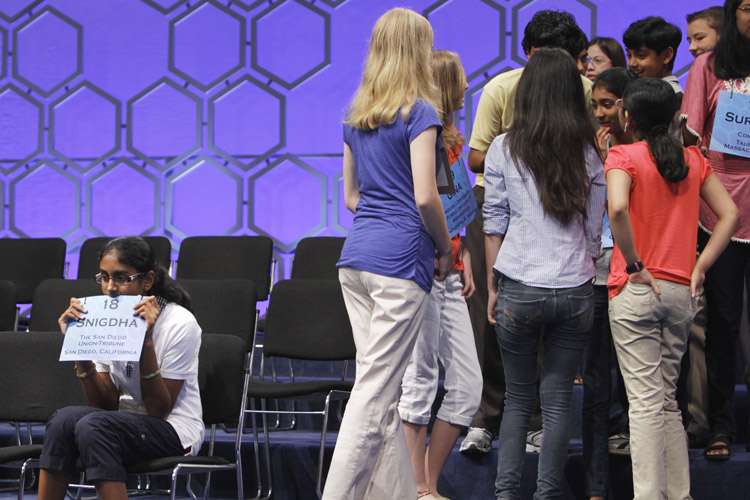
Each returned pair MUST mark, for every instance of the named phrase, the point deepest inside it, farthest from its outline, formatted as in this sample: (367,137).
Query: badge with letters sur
(108,331)
(731,133)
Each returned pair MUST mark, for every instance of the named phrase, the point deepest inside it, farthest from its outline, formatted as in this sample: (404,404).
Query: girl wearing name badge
(388,264)
(138,410)
(446,333)
(543,210)
(727,68)
(654,186)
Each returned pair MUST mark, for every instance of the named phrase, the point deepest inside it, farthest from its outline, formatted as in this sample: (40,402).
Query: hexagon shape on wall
(204,198)
(164,6)
(248,4)
(333,3)
(111,193)
(2,204)
(3,51)
(206,44)
(342,217)
(246,122)
(84,127)
(291,41)
(11,10)
(488,31)
(583,10)
(47,51)
(45,201)
(22,123)
(164,124)
(288,182)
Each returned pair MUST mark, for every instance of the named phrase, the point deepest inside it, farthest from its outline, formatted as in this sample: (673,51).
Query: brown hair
(450,80)
(714,16)
(612,48)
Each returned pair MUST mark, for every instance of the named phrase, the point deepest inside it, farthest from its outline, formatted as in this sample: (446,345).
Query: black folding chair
(34,385)
(228,257)
(29,261)
(224,306)
(52,297)
(306,320)
(7,305)
(88,264)
(316,258)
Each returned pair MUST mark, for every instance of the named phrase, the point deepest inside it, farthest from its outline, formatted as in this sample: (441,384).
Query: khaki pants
(371,461)
(650,333)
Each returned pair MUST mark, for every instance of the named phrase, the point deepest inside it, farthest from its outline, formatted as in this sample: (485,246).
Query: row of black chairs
(27,262)
(306,320)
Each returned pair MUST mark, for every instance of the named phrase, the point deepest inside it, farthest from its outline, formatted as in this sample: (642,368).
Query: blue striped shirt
(538,250)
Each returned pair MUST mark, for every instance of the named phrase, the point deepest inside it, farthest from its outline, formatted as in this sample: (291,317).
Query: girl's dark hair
(552,132)
(614,80)
(137,253)
(651,104)
(612,48)
(731,56)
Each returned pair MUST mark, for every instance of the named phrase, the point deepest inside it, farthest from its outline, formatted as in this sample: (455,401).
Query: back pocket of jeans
(521,316)
(582,307)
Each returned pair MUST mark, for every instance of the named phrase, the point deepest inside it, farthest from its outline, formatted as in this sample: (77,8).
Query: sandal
(423,493)
(721,443)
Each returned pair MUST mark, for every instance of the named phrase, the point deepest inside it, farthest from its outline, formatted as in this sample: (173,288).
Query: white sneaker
(534,441)
(619,444)
(476,442)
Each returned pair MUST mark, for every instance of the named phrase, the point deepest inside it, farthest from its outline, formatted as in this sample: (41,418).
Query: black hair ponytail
(136,252)
(651,104)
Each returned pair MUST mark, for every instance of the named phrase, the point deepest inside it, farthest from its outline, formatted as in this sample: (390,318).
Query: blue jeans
(565,315)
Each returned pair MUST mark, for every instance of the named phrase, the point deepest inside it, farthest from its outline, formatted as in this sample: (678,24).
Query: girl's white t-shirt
(177,340)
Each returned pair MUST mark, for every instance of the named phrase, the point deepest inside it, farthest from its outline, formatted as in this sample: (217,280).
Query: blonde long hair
(450,79)
(397,71)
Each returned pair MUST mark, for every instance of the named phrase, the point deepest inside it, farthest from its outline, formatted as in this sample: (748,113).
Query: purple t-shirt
(387,236)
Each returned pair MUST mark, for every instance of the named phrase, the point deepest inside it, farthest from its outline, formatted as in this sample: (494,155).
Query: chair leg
(173,489)
(22,481)
(256,450)
(189,487)
(269,474)
(321,452)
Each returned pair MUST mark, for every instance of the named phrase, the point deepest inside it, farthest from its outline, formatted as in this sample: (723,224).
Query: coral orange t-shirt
(663,214)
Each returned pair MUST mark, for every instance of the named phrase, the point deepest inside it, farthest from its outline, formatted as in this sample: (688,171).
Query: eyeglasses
(620,104)
(597,61)
(119,279)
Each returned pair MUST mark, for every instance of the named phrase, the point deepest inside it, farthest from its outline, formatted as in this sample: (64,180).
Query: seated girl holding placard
(138,410)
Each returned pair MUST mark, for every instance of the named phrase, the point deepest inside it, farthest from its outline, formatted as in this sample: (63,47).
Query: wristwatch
(634,268)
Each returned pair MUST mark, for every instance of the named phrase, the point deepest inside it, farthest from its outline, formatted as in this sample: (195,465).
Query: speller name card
(108,331)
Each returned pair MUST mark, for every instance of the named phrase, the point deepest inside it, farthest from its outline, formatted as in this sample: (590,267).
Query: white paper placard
(107,332)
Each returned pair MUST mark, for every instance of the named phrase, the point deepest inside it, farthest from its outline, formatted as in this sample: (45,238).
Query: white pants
(650,334)
(371,460)
(446,335)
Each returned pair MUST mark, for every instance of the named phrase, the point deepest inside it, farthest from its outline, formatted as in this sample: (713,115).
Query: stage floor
(294,455)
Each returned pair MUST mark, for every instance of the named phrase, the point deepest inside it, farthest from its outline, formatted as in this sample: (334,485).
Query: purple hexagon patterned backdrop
(218,117)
